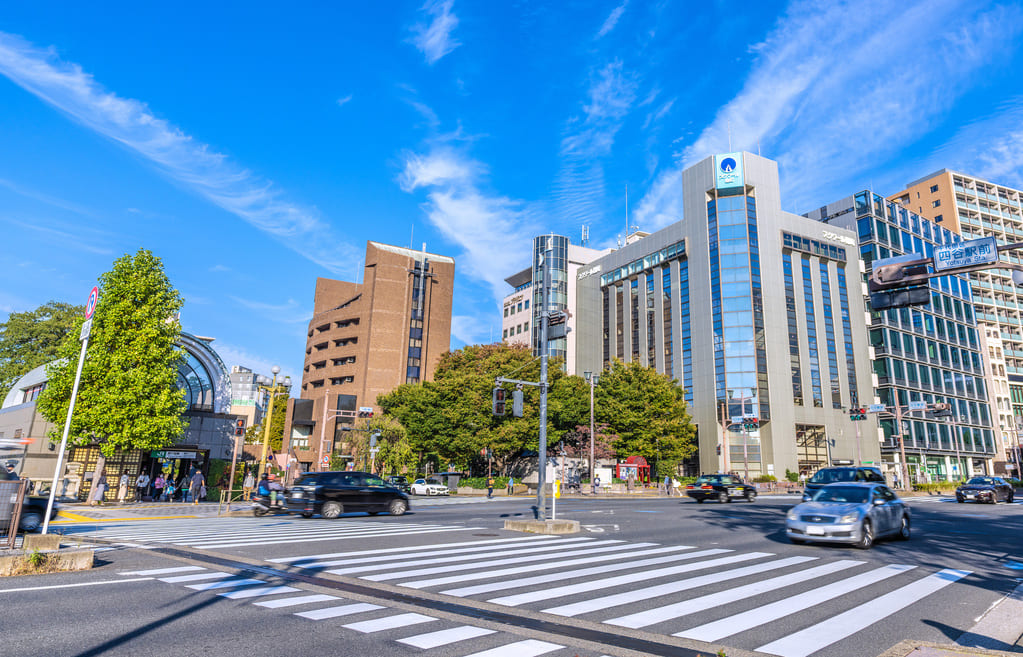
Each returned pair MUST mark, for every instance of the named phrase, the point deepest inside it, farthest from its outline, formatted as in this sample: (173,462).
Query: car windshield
(827,476)
(707,480)
(374,481)
(981,481)
(841,495)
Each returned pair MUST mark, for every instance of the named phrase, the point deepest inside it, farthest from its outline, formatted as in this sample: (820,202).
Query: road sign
(86,329)
(90,306)
(917,406)
(983,251)
(877,408)
(326,460)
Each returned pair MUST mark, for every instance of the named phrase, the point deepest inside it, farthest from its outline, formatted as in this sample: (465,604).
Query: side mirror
(806,497)
(878,502)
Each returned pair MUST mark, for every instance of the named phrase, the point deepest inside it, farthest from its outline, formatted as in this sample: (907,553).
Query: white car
(424,487)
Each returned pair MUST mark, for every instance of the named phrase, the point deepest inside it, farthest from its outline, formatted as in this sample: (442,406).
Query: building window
(34,391)
(811,335)
(669,358)
(607,326)
(850,360)
(527,304)
(829,335)
(934,188)
(793,325)
(938,218)
(936,203)
(520,307)
(505,334)
(506,312)
(687,355)
(634,305)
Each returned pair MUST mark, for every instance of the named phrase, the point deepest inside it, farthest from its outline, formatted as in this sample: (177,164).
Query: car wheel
(992,499)
(259,511)
(960,500)
(866,536)
(31,521)
(904,529)
(797,541)
(397,507)
(1009,499)
(373,513)
(699,500)
(751,496)
(331,510)
(307,514)
(723,497)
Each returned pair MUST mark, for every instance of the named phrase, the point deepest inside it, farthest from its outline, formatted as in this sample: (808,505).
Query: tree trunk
(101,462)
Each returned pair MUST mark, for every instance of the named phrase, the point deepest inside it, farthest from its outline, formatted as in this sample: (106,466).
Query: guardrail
(12,495)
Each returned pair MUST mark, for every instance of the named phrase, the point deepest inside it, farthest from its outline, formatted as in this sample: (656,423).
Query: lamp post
(593,380)
(272,394)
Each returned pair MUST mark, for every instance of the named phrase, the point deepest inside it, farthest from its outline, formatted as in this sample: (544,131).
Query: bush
(791,476)
(765,479)
(937,486)
(481,482)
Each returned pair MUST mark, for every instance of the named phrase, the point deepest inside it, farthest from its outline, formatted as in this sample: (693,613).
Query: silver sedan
(856,513)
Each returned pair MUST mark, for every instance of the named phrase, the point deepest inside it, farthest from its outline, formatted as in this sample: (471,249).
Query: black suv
(332,493)
(841,475)
(399,482)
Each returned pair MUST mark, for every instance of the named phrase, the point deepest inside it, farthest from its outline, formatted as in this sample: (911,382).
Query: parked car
(33,510)
(428,487)
(399,482)
(720,487)
(985,489)
(332,493)
(840,475)
(856,513)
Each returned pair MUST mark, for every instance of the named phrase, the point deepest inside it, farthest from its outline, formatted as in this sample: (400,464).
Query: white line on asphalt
(614,600)
(418,559)
(622,580)
(413,548)
(527,648)
(389,623)
(549,565)
(444,637)
(729,596)
(493,563)
(334,612)
(569,574)
(823,634)
(409,553)
(68,586)
(755,617)
(164,571)
(225,584)
(320,536)
(300,600)
(195,578)
(258,592)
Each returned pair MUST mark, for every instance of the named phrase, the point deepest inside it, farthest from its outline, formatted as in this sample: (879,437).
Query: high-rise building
(757,312)
(520,322)
(365,339)
(975,208)
(930,353)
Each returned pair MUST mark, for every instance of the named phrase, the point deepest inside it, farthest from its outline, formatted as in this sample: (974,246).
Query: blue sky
(255,146)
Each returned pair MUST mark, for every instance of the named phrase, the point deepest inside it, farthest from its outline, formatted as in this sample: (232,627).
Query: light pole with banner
(593,380)
(272,393)
(90,308)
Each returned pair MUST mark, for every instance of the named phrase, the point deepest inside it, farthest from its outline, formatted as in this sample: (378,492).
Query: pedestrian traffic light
(239,427)
(498,403)
(516,403)
(857,414)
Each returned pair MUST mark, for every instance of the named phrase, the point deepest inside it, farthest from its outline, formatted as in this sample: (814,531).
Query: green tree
(128,397)
(395,453)
(647,412)
(33,338)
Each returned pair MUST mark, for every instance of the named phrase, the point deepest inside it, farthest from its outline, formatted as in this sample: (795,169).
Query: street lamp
(593,380)
(272,394)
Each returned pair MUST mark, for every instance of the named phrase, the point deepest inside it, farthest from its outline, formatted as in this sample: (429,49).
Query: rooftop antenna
(728,123)
(758,146)
(626,212)
(586,236)
(411,236)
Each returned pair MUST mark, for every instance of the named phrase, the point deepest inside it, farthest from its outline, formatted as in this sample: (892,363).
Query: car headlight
(792,515)
(849,517)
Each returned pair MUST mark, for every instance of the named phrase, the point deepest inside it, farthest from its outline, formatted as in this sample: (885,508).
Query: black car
(985,489)
(399,482)
(33,510)
(720,487)
(841,475)
(332,493)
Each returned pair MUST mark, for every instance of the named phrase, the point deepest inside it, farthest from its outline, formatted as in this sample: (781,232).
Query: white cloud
(470,329)
(193,164)
(434,40)
(999,160)
(831,109)
(612,20)
(342,101)
(233,355)
(290,312)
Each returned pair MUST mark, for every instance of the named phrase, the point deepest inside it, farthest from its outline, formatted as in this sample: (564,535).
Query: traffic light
(239,426)
(365,412)
(516,403)
(500,396)
(941,409)
(750,424)
(857,414)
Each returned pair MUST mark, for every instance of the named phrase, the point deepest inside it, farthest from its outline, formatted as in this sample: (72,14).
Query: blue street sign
(983,251)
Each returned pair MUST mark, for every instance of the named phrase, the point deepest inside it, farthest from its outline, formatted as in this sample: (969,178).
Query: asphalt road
(448,575)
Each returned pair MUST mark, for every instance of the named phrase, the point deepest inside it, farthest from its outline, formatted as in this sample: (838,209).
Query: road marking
(389,623)
(755,617)
(69,586)
(622,580)
(334,612)
(823,634)
(225,584)
(163,571)
(572,574)
(300,600)
(487,564)
(694,605)
(258,592)
(527,648)
(445,637)
(194,578)
(315,560)
(596,604)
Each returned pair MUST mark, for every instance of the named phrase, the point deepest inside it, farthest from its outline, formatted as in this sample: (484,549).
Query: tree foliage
(450,417)
(647,412)
(128,397)
(33,338)
(254,434)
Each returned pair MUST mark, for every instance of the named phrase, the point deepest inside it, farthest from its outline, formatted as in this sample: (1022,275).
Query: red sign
(90,307)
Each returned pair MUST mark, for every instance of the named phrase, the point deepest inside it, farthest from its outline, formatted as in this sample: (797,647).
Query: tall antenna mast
(586,236)
(626,212)
(729,124)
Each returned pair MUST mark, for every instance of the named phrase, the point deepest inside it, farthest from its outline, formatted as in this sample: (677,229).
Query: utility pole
(545,295)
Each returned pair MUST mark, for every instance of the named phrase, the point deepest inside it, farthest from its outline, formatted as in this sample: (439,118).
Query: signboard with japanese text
(983,251)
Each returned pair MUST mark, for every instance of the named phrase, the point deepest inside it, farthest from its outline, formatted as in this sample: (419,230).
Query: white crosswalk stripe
(445,637)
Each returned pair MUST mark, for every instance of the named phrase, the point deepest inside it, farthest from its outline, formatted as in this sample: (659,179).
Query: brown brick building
(365,339)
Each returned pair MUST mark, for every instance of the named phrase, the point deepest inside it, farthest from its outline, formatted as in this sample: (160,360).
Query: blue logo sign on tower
(728,172)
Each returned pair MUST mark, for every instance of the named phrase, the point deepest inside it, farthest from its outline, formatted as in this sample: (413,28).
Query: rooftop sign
(728,171)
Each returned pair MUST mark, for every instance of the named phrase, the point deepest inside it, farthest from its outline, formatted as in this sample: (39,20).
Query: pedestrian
(182,488)
(247,485)
(10,475)
(170,489)
(490,487)
(99,490)
(596,484)
(276,489)
(676,487)
(667,485)
(141,487)
(122,487)
(511,486)
(158,485)
(196,484)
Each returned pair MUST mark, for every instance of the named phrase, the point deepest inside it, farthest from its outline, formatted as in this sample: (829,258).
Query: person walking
(158,485)
(490,487)
(170,489)
(247,485)
(511,486)
(141,486)
(195,486)
(122,487)
(596,484)
(99,491)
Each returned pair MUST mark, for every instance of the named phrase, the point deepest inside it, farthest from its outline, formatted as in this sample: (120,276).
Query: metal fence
(12,494)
